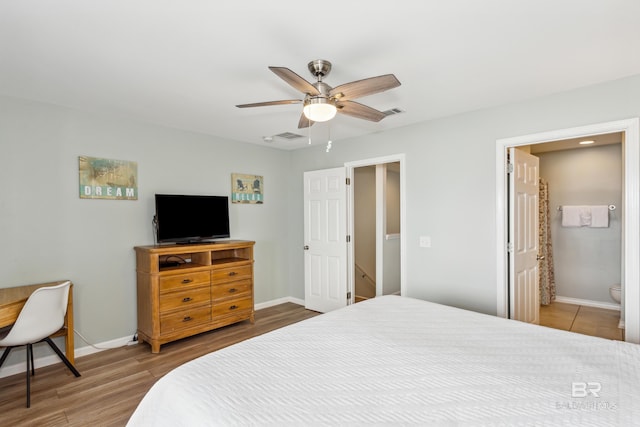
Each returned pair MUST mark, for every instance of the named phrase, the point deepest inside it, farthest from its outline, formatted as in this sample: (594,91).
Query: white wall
(587,260)
(450,184)
(49,233)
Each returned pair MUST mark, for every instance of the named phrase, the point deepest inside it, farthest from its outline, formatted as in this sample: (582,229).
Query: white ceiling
(187,63)
(574,143)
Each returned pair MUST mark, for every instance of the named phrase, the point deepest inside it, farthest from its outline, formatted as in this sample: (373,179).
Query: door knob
(306,247)
(540,257)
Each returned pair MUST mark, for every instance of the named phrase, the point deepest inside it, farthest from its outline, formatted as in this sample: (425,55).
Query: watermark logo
(585,389)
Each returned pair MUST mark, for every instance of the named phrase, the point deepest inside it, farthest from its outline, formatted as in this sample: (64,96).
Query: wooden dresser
(184,290)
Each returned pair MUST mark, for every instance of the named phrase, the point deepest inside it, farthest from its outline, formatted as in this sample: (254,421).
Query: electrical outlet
(425,241)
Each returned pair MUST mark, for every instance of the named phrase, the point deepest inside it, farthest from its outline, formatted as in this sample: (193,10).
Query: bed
(401,361)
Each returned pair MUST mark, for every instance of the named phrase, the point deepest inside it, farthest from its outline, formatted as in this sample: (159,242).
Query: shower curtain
(545,266)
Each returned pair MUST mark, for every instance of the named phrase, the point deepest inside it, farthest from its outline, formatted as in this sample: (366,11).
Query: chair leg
(29,361)
(5,354)
(62,356)
(33,366)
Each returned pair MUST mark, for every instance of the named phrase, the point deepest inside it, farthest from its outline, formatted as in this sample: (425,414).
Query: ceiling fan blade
(304,122)
(364,87)
(266,104)
(295,80)
(354,109)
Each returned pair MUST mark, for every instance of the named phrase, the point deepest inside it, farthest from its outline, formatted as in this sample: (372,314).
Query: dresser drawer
(184,298)
(179,281)
(184,319)
(232,306)
(231,273)
(230,289)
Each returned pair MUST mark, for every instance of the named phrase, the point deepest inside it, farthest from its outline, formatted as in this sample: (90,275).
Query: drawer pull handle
(186,299)
(185,281)
(233,273)
(232,290)
(186,319)
(233,307)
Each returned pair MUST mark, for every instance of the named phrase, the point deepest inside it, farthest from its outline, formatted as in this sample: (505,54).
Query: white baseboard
(40,362)
(52,359)
(588,303)
(283,300)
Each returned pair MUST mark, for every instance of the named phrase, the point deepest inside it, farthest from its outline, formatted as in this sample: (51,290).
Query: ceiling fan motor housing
(319,68)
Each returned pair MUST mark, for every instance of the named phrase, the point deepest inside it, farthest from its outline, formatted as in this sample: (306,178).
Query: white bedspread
(401,361)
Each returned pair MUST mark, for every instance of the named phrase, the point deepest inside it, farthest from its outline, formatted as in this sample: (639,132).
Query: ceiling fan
(321,102)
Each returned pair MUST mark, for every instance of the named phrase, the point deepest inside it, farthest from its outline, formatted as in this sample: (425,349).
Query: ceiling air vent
(393,111)
(288,135)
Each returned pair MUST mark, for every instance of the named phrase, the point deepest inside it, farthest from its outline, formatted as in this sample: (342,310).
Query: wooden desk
(13,299)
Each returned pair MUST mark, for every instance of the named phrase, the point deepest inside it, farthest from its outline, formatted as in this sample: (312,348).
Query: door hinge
(509,247)
(349,296)
(509,167)
(348,238)
(348,181)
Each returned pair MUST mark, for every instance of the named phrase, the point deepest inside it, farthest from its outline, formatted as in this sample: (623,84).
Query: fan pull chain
(309,127)
(329,141)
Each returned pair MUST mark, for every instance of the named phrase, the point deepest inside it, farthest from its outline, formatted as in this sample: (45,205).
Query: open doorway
(376,217)
(376,210)
(328,234)
(629,213)
(577,259)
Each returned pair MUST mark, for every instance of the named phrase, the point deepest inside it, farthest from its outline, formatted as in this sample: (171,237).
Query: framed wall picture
(107,178)
(247,188)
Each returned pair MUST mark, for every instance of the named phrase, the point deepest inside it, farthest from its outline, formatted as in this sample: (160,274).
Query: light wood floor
(597,322)
(114,381)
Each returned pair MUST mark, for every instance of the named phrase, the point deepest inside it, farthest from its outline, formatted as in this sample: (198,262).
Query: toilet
(615,291)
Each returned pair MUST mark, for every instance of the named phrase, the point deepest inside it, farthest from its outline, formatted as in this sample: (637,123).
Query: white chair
(42,315)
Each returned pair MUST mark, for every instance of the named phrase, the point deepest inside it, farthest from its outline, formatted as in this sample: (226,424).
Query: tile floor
(598,322)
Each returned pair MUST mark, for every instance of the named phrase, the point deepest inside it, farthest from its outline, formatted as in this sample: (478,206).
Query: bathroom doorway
(629,212)
(584,171)
(579,263)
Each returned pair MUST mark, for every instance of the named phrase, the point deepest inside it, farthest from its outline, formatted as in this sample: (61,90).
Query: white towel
(599,216)
(585,216)
(576,216)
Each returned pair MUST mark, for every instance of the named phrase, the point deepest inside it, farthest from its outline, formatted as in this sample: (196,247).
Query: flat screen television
(184,218)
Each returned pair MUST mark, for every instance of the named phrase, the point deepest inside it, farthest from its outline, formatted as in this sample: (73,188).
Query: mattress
(401,361)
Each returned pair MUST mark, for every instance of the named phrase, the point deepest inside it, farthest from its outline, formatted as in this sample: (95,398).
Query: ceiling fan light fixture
(319,109)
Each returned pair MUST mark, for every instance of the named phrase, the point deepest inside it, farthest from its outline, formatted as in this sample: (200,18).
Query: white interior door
(325,239)
(523,237)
